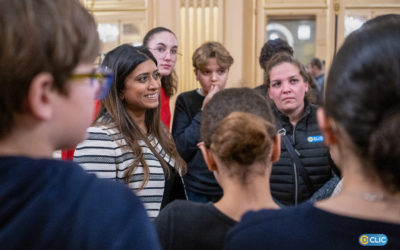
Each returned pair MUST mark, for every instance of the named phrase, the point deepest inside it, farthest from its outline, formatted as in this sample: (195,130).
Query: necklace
(371,197)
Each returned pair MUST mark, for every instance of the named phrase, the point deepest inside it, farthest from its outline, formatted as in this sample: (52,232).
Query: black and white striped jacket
(106,154)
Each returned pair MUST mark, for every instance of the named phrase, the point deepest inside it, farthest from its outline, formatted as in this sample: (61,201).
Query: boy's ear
(327,127)
(208,157)
(40,95)
(276,148)
(196,71)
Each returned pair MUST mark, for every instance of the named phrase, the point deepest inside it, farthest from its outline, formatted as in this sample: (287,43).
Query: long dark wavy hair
(170,82)
(123,60)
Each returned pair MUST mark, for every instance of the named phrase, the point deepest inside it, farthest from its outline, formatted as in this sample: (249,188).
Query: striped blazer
(106,154)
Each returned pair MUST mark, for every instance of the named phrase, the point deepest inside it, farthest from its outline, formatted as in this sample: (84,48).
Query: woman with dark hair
(163,45)
(360,121)
(127,141)
(305,164)
(273,47)
(239,145)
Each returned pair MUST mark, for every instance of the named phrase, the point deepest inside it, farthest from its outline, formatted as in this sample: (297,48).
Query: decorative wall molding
(295,4)
(116,5)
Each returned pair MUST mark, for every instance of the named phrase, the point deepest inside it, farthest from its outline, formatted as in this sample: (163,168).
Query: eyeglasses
(103,75)
(162,52)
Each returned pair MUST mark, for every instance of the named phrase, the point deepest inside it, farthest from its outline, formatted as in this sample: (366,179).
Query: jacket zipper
(296,184)
(282,132)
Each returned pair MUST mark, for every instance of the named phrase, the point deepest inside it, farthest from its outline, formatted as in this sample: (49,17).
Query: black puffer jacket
(287,185)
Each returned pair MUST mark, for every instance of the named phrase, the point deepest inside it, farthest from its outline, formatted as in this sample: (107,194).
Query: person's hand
(213,90)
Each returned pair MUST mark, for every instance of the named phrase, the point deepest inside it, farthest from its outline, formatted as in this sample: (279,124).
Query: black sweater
(186,133)
(192,225)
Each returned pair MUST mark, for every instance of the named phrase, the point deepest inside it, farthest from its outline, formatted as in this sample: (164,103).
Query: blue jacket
(52,204)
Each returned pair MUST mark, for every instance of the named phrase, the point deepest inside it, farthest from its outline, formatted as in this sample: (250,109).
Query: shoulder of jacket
(106,132)
(110,128)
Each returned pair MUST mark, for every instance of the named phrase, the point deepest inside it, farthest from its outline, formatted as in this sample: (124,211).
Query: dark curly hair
(270,48)
(239,127)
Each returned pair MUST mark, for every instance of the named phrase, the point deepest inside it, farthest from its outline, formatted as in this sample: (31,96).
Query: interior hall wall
(240,25)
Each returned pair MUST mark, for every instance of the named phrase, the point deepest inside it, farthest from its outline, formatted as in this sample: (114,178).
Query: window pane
(351,23)
(299,32)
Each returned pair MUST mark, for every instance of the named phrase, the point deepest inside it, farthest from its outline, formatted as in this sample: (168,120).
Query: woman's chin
(165,72)
(152,106)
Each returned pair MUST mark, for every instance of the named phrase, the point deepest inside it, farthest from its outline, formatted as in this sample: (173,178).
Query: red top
(165,110)
(68,154)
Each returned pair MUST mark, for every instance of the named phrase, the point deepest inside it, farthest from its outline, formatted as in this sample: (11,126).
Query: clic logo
(315,138)
(373,239)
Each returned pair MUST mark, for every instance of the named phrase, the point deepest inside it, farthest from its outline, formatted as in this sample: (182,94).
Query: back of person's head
(38,36)
(239,127)
(316,62)
(211,50)
(270,48)
(123,60)
(364,96)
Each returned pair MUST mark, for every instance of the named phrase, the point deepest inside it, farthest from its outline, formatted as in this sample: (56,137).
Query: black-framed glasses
(103,75)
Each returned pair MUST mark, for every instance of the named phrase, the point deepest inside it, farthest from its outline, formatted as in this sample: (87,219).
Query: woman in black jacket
(305,164)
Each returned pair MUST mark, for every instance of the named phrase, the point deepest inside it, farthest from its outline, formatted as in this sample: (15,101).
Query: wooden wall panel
(199,21)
